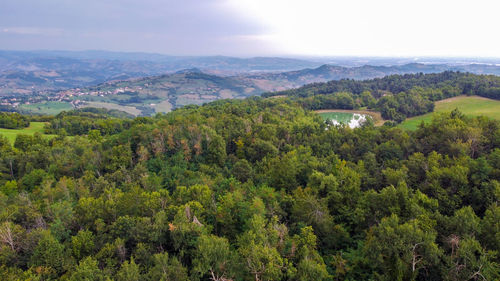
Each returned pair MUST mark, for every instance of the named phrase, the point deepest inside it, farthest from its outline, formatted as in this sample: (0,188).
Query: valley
(161,93)
(47,82)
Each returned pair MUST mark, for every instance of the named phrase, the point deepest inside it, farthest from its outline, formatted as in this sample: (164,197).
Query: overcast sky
(255,27)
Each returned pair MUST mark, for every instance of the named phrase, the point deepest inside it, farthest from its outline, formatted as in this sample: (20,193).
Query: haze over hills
(162,93)
(29,72)
(33,72)
(8,59)
(143,83)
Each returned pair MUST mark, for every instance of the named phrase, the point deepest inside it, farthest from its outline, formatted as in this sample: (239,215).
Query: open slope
(469,105)
(34,127)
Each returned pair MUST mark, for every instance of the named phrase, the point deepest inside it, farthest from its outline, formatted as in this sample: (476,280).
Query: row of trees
(82,121)
(254,189)
(13,120)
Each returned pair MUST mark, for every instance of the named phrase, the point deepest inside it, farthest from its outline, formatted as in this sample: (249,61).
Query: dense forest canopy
(396,96)
(84,120)
(13,120)
(255,189)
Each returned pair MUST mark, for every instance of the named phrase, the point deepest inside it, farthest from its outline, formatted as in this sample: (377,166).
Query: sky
(255,27)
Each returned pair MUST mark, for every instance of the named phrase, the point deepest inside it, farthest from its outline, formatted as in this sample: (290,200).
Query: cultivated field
(129,109)
(470,106)
(47,108)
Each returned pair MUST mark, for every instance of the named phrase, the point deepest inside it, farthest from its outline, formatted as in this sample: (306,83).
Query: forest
(82,121)
(255,189)
(395,96)
(13,120)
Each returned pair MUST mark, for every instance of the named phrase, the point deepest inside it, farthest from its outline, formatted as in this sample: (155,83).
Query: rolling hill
(165,92)
(25,73)
(194,86)
(471,106)
(144,84)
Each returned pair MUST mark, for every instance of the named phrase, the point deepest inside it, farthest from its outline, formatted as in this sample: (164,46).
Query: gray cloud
(167,26)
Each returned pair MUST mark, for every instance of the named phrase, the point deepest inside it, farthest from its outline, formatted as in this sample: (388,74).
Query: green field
(32,129)
(48,108)
(129,109)
(470,106)
(163,106)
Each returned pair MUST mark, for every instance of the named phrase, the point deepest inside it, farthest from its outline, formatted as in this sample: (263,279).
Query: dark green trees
(256,189)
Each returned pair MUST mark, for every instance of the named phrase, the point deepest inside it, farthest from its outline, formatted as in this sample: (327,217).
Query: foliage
(396,96)
(83,121)
(13,121)
(255,189)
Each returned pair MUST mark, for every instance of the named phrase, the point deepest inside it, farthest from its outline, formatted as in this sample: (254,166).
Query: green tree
(87,270)
(400,251)
(310,265)
(129,271)
(167,268)
(82,244)
(214,257)
(260,258)
(49,254)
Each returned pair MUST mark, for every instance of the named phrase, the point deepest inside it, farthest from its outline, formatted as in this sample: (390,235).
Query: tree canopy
(255,189)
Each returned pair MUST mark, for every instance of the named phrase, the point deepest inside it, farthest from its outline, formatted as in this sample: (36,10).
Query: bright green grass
(48,108)
(32,129)
(470,106)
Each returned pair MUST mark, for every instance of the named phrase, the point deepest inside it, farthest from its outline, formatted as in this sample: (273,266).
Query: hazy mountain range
(150,83)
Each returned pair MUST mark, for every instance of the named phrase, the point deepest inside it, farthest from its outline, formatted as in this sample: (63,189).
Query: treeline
(255,189)
(13,120)
(82,121)
(397,96)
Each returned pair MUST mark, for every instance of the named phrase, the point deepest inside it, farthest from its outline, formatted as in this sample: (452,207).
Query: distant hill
(331,72)
(34,72)
(193,86)
(165,92)
(132,85)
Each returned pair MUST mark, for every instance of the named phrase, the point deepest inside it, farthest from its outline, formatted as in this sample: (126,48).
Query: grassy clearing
(163,106)
(377,118)
(35,127)
(47,108)
(470,106)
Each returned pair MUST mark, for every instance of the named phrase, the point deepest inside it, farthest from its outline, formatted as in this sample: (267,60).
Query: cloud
(188,27)
(256,27)
(32,31)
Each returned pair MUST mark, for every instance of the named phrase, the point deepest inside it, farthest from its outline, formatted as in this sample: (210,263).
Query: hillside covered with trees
(255,189)
(396,96)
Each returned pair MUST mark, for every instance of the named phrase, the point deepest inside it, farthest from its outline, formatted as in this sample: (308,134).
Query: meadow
(129,109)
(34,127)
(469,105)
(46,108)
